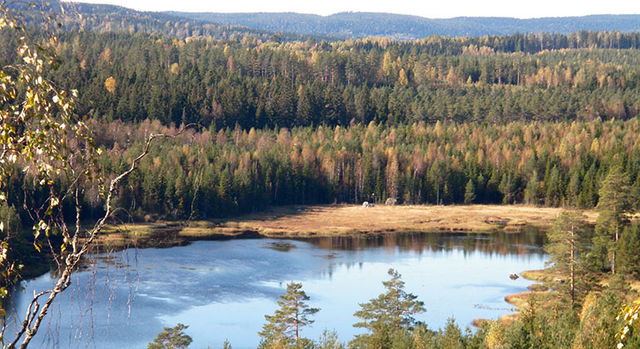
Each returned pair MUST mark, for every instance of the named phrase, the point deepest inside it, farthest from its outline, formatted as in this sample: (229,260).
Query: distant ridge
(365,24)
(289,26)
(79,16)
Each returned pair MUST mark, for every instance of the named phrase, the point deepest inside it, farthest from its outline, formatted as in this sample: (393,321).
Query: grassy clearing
(350,219)
(331,220)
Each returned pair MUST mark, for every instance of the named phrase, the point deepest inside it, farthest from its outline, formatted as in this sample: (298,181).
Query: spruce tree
(532,190)
(469,192)
(628,251)
(614,205)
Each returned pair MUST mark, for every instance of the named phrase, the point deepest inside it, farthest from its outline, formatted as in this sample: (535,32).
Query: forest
(212,173)
(103,18)
(252,83)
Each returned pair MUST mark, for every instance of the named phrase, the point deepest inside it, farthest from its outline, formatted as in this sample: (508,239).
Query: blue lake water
(223,289)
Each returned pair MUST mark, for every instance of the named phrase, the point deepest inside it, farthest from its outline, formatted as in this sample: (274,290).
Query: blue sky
(425,8)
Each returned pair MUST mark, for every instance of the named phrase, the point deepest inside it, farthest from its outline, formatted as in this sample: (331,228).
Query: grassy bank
(537,292)
(332,220)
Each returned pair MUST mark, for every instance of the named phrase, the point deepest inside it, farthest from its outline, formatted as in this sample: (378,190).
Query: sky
(424,8)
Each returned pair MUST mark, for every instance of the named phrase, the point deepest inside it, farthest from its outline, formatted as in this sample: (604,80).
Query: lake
(223,289)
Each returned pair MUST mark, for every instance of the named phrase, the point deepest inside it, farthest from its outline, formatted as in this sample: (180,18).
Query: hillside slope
(366,24)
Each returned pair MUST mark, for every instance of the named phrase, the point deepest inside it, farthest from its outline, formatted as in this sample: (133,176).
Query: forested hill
(302,27)
(366,24)
(110,18)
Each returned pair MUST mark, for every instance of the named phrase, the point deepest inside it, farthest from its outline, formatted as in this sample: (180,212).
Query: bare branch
(35,313)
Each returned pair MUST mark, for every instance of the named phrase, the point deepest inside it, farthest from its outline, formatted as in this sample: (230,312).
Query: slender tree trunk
(297,327)
(572,268)
(613,253)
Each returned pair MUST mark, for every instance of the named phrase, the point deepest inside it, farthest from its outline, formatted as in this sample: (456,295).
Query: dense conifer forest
(537,119)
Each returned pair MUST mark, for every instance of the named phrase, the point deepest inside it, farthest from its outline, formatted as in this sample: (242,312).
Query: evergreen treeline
(133,77)
(218,173)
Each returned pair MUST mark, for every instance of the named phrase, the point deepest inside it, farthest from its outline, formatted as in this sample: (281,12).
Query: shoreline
(350,220)
(335,220)
(315,221)
(520,300)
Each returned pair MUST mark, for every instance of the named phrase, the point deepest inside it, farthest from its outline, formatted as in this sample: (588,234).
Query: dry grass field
(330,220)
(350,219)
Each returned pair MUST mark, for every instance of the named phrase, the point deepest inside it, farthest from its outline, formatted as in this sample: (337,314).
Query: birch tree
(42,137)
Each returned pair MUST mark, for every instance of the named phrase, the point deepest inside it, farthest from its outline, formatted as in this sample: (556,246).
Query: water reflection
(525,243)
(222,289)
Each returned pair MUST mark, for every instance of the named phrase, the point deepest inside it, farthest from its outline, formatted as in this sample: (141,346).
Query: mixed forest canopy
(522,118)
(102,18)
(214,173)
(255,83)
(80,16)
(536,118)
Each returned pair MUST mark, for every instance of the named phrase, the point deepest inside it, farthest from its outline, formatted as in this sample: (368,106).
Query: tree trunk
(295,324)
(613,253)
(572,268)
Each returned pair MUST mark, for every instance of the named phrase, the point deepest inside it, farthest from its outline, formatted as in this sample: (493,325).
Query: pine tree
(387,314)
(294,313)
(329,340)
(567,246)
(171,338)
